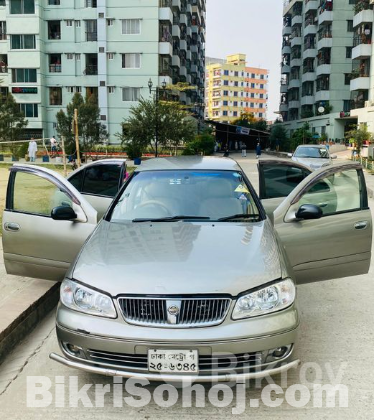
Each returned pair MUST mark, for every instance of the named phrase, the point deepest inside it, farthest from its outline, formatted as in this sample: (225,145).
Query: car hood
(179,258)
(312,163)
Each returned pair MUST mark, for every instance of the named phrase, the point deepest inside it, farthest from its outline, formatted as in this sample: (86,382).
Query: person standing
(53,146)
(33,147)
(244,149)
(258,150)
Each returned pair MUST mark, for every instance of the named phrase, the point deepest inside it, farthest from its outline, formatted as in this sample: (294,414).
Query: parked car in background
(186,276)
(314,156)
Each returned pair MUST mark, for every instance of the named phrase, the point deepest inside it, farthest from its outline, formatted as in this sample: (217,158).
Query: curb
(14,330)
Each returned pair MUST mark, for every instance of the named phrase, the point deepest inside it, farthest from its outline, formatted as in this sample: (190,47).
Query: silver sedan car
(189,274)
(314,156)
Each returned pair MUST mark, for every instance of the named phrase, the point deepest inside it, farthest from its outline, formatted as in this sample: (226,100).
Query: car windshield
(312,152)
(186,195)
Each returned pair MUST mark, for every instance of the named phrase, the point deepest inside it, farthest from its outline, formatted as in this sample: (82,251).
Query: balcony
(310,5)
(287,30)
(294,83)
(90,70)
(294,104)
(177,4)
(309,76)
(308,99)
(296,62)
(360,83)
(165,14)
(325,42)
(297,40)
(310,30)
(176,32)
(297,20)
(165,48)
(309,53)
(286,49)
(323,69)
(285,69)
(284,88)
(322,95)
(361,51)
(176,61)
(91,36)
(283,107)
(326,16)
(365,16)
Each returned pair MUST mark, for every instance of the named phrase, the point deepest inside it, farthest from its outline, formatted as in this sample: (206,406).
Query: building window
(235,103)
(110,22)
(131,61)
(110,56)
(225,113)
(70,89)
(225,103)
(260,114)
(29,110)
(236,84)
(262,76)
(69,56)
(3,30)
(91,3)
(22,42)
(54,29)
(69,22)
(261,86)
(348,52)
(130,94)
(236,74)
(252,85)
(22,7)
(261,96)
(53,2)
(110,89)
(235,93)
(78,89)
(225,82)
(349,25)
(77,23)
(131,27)
(78,57)
(91,30)
(226,72)
(225,93)
(55,96)
(347,78)
(235,113)
(24,75)
(55,63)
(253,76)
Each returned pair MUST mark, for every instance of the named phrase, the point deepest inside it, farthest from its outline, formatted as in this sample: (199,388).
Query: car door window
(77,180)
(36,195)
(102,180)
(337,193)
(279,180)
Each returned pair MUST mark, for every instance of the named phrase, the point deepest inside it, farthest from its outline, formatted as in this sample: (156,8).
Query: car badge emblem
(173,310)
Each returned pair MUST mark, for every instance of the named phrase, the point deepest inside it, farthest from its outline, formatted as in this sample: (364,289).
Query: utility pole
(63,154)
(77,137)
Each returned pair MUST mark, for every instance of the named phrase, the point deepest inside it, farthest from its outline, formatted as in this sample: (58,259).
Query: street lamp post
(157,98)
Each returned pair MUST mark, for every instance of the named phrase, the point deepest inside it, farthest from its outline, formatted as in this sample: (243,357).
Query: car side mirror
(289,155)
(63,213)
(309,212)
(334,157)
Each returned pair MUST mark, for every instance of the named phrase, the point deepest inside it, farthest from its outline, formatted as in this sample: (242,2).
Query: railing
(359,39)
(324,34)
(91,36)
(323,60)
(308,69)
(361,5)
(91,70)
(54,35)
(55,68)
(166,3)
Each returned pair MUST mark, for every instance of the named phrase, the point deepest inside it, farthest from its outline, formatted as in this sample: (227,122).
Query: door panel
(338,244)
(34,244)
(277,179)
(100,204)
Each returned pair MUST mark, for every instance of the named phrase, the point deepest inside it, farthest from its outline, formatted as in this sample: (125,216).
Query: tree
(12,121)
(173,124)
(278,135)
(201,144)
(90,130)
(247,119)
(358,136)
(302,135)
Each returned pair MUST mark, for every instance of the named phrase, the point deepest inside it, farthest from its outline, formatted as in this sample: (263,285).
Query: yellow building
(232,88)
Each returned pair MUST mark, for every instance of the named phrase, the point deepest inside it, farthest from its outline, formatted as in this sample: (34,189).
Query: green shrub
(201,144)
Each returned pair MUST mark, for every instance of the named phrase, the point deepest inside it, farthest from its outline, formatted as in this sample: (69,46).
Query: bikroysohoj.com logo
(314,386)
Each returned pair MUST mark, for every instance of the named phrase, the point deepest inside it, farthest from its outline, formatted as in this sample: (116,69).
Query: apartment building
(51,49)
(233,88)
(362,83)
(316,65)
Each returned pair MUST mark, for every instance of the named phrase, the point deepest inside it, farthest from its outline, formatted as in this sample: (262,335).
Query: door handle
(12,227)
(361,225)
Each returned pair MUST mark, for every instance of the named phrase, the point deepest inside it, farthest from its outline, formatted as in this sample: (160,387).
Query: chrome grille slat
(193,311)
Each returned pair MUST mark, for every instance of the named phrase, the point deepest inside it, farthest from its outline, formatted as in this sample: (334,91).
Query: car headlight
(83,299)
(272,298)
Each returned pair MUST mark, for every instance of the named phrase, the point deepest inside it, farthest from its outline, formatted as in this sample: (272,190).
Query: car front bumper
(115,348)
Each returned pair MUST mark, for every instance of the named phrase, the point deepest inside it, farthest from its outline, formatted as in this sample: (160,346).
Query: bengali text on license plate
(173,361)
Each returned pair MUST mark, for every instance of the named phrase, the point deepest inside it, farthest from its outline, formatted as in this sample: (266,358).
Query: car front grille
(211,363)
(174,312)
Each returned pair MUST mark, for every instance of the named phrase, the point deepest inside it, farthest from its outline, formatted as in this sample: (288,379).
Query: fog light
(74,350)
(280,352)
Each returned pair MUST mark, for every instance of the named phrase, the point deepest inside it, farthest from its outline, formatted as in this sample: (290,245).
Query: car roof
(189,162)
(318,146)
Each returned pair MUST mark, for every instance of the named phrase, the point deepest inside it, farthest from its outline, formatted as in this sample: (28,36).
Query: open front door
(34,243)
(337,243)
(277,179)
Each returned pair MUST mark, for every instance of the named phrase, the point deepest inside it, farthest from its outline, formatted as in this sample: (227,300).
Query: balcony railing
(55,68)
(363,38)
(326,6)
(361,5)
(90,70)
(308,69)
(91,36)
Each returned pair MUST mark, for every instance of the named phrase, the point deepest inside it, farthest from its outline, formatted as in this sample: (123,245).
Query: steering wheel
(154,203)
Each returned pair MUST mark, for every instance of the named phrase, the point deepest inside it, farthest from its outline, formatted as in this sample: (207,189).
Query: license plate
(173,361)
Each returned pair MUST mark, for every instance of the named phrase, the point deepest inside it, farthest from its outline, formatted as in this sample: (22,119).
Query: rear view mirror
(309,212)
(289,155)
(63,213)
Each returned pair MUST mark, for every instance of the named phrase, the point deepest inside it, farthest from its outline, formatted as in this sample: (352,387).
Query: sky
(252,27)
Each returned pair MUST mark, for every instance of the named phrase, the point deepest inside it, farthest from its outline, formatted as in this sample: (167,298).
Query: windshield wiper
(239,216)
(171,219)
